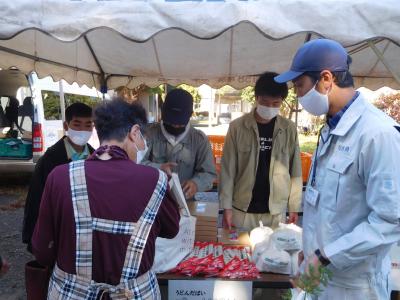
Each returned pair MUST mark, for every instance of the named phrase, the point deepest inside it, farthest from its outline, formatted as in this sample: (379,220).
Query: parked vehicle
(224,118)
(32,111)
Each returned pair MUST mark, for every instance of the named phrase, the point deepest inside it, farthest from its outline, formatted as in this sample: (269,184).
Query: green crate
(15,148)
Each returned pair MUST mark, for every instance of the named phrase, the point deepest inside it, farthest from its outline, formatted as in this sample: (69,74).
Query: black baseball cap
(177,108)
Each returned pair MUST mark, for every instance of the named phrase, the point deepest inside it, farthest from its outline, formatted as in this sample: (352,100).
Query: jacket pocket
(245,171)
(337,170)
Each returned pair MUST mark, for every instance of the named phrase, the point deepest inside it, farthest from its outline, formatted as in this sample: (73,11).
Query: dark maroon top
(119,190)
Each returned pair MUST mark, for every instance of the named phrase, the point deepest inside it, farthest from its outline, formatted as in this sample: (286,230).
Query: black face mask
(174,130)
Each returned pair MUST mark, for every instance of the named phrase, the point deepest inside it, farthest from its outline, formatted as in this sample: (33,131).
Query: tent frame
(104,77)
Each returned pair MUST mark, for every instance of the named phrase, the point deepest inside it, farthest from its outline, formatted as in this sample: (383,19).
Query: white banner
(395,275)
(209,290)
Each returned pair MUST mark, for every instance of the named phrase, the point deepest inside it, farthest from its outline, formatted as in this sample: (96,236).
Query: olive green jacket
(240,161)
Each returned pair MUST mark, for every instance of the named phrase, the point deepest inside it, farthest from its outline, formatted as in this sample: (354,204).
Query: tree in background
(194,92)
(72,98)
(51,103)
(247,94)
(289,105)
(390,104)
(158,90)
(130,95)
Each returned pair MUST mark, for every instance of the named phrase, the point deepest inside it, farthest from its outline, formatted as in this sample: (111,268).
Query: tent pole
(384,61)
(62,100)
(94,55)
(103,80)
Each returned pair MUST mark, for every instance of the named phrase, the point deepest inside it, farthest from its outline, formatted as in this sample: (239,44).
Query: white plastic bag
(260,234)
(274,260)
(294,260)
(259,249)
(170,252)
(287,237)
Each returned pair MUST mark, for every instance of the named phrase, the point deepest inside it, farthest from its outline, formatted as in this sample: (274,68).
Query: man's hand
(312,263)
(4,268)
(311,272)
(167,168)
(227,220)
(293,218)
(189,188)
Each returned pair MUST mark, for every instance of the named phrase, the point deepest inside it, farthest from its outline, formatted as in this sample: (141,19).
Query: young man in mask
(78,126)
(261,166)
(175,146)
(351,207)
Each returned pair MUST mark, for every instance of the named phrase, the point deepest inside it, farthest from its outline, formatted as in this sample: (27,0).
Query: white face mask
(314,102)
(266,112)
(79,138)
(141,153)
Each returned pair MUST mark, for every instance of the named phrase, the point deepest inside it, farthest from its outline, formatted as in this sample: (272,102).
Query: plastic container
(15,148)
(217,146)
(306,159)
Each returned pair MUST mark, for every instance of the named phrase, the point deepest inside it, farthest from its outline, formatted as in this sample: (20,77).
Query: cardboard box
(206,214)
(206,238)
(208,227)
(204,211)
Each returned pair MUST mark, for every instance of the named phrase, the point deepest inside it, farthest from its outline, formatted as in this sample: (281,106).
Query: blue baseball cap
(316,55)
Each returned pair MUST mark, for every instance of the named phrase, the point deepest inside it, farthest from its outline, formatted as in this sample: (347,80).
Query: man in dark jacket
(74,146)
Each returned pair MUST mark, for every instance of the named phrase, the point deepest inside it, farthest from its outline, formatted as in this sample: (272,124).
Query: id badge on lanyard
(312,194)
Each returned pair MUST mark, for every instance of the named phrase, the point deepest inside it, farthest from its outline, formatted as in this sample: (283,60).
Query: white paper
(177,194)
(395,274)
(209,289)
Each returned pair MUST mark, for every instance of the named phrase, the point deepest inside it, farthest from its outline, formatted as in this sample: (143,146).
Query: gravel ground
(12,199)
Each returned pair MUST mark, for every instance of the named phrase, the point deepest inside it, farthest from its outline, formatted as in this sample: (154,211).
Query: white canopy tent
(128,42)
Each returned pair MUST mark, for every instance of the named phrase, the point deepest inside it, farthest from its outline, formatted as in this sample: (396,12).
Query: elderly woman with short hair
(99,218)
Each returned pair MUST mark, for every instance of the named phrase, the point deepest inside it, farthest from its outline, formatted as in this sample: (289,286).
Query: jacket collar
(350,117)
(250,121)
(186,139)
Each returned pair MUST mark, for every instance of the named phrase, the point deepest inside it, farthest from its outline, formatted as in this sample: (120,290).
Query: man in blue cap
(351,204)
(175,146)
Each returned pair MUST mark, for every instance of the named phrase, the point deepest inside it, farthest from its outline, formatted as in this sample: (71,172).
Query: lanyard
(314,168)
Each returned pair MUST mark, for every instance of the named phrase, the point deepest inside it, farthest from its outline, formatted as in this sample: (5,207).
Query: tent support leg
(384,61)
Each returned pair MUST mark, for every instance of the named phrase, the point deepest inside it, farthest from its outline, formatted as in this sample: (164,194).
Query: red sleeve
(44,239)
(169,217)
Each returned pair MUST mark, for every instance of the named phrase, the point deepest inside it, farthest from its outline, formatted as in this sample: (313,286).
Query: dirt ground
(12,199)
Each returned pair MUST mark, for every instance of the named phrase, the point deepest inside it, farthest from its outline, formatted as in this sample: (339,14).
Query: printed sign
(395,274)
(209,290)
